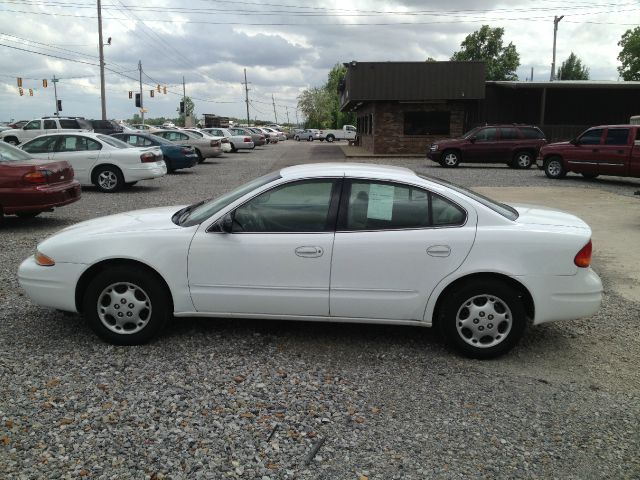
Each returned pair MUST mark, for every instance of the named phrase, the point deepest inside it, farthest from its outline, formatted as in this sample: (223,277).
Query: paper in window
(380,202)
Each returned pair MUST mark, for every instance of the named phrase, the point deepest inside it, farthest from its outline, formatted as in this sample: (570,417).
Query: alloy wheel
(107,180)
(484,321)
(124,308)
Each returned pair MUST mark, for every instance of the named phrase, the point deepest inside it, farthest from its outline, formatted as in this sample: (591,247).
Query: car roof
(364,170)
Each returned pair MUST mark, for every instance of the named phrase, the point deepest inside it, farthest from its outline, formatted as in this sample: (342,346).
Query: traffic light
(158,88)
(31,92)
(44,83)
(152,93)
(21,91)
(181,107)
(130,94)
(20,82)
(59,105)
(164,89)
(138,101)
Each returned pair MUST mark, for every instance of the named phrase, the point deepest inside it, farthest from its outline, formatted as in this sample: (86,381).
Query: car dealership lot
(202,401)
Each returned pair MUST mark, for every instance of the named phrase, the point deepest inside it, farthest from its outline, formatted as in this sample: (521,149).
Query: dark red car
(29,186)
(515,145)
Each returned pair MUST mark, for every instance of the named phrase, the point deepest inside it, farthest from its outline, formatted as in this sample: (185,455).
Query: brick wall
(388,126)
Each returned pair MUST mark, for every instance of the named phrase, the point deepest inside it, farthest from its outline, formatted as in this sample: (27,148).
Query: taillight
(583,258)
(185,151)
(38,177)
(247,139)
(224,140)
(215,143)
(147,157)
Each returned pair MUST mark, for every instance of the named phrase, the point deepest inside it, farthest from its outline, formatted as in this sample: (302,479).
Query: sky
(285,46)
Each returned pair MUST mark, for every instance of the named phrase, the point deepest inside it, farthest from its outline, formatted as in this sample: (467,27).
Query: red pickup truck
(602,150)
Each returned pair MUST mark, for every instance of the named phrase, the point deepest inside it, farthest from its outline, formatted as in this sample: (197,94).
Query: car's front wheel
(126,306)
(108,179)
(553,167)
(483,318)
(450,158)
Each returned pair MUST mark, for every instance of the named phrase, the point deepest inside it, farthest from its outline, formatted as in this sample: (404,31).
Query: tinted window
(295,207)
(445,212)
(40,145)
(508,133)
(591,137)
(9,153)
(197,134)
(487,135)
(50,125)
(425,123)
(33,125)
(138,141)
(617,136)
(69,124)
(114,142)
(72,143)
(530,132)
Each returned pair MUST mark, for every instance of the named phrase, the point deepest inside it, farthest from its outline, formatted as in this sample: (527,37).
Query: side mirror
(472,139)
(574,141)
(226,224)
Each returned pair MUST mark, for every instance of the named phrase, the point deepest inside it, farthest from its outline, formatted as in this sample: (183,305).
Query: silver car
(238,142)
(205,147)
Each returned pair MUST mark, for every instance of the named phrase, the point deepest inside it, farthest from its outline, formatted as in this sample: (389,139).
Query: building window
(426,123)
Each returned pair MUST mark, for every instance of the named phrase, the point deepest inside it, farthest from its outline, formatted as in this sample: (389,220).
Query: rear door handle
(439,250)
(309,252)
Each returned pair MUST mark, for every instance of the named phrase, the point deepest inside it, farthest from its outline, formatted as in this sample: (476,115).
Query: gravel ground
(248,399)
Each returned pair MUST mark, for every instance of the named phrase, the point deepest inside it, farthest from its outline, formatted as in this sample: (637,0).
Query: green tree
(572,69)
(630,55)
(338,118)
(486,45)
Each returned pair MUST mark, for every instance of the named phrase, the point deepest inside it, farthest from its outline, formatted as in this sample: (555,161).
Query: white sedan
(100,160)
(238,142)
(334,242)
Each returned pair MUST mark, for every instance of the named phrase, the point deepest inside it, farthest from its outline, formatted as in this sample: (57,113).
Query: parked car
(281,136)
(100,160)
(18,124)
(225,145)
(337,242)
(175,156)
(258,138)
(237,142)
(106,127)
(515,145)
(602,150)
(29,186)
(347,132)
(309,134)
(41,126)
(205,147)
(269,136)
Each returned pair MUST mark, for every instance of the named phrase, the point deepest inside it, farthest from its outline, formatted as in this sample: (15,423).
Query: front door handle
(439,250)
(309,252)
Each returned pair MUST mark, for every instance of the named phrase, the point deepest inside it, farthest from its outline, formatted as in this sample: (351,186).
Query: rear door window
(617,136)
(530,132)
(508,133)
(50,125)
(73,143)
(71,124)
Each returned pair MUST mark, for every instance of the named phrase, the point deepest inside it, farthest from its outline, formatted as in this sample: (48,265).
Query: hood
(535,215)
(449,141)
(13,131)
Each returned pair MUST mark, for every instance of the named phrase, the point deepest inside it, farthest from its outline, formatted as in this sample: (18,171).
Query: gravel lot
(248,399)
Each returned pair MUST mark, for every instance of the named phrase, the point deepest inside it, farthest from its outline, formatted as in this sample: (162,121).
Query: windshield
(114,142)
(470,133)
(9,153)
(501,208)
(210,207)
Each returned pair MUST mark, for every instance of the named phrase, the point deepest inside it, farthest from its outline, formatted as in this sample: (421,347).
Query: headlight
(43,260)
(434,147)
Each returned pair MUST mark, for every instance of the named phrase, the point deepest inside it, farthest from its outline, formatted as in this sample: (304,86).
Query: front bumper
(52,287)
(435,156)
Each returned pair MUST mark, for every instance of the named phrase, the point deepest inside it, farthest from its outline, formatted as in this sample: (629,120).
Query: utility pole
(288,122)
(297,122)
(184,101)
(246,96)
(556,20)
(54,80)
(274,107)
(532,74)
(141,102)
(101,49)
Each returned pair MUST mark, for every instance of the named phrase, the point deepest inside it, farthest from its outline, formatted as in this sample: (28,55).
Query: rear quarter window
(71,124)
(532,133)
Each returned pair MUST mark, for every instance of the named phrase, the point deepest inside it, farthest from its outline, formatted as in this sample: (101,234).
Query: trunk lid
(536,215)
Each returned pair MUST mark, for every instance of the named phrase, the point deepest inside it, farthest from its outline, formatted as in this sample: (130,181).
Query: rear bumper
(564,297)
(42,198)
(184,161)
(210,152)
(245,146)
(52,287)
(145,171)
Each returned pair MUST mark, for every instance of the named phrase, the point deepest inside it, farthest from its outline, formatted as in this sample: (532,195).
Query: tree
(189,108)
(486,45)
(572,69)
(630,55)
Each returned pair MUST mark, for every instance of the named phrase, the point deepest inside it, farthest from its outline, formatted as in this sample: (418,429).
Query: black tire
(590,175)
(28,214)
(554,168)
(330,138)
(233,148)
(450,159)
(310,139)
(149,314)
(12,141)
(296,138)
(108,178)
(488,299)
(200,157)
(522,159)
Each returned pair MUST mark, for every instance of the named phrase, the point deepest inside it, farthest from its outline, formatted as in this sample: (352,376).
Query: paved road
(248,399)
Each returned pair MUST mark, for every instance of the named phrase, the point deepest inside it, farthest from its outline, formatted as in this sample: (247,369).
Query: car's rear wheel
(233,148)
(200,157)
(522,159)
(330,138)
(126,306)
(553,167)
(483,318)
(108,179)
(450,159)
